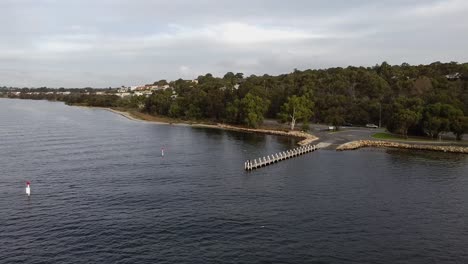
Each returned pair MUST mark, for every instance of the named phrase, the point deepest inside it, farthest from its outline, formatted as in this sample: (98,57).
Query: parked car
(347,124)
(331,128)
(372,126)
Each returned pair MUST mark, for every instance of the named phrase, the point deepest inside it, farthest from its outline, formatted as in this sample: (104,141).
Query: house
(140,88)
(123,90)
(453,77)
(174,95)
(122,95)
(143,93)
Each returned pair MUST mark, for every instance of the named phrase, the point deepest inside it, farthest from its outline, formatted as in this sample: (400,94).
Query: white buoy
(162,152)
(28,189)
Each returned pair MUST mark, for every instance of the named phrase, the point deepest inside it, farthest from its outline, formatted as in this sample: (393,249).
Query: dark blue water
(102,193)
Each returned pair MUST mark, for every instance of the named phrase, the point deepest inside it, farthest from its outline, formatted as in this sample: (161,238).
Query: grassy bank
(388,136)
(394,137)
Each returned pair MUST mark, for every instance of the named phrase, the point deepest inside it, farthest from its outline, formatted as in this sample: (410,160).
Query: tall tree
(296,109)
(441,118)
(253,109)
(406,112)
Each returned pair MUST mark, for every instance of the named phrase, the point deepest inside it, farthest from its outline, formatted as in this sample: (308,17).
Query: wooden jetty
(277,157)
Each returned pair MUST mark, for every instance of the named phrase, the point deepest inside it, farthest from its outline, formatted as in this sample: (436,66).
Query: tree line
(418,100)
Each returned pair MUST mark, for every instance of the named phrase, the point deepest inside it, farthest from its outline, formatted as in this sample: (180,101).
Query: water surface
(102,193)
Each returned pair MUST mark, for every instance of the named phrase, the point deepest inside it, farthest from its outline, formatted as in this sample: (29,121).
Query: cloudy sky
(102,43)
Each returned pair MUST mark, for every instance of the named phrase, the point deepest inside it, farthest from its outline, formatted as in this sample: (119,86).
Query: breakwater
(306,137)
(387,144)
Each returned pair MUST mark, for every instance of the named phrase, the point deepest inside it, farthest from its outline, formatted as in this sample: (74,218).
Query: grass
(388,136)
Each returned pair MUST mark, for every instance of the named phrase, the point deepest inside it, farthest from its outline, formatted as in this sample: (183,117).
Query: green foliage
(159,103)
(418,100)
(253,109)
(296,109)
(136,102)
(386,136)
(193,112)
(233,112)
(406,112)
(442,118)
(161,82)
(176,110)
(459,126)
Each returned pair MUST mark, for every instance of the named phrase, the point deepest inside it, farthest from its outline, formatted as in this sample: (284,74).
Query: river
(102,193)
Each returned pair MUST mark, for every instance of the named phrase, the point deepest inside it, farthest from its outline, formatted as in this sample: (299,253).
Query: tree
(253,109)
(229,76)
(239,75)
(176,110)
(233,111)
(435,120)
(459,126)
(406,112)
(161,82)
(335,116)
(406,118)
(159,102)
(193,112)
(296,109)
(440,118)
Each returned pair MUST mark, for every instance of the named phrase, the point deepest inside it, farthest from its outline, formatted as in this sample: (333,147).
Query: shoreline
(353,145)
(307,138)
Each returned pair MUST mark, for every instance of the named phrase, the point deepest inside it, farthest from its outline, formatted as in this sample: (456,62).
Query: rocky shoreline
(306,137)
(387,144)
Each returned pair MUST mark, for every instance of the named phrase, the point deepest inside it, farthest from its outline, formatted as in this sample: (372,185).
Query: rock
(387,144)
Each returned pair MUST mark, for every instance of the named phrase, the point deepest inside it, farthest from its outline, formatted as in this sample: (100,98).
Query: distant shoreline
(307,138)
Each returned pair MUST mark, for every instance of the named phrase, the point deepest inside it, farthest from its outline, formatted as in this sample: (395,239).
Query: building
(453,77)
(125,94)
(123,90)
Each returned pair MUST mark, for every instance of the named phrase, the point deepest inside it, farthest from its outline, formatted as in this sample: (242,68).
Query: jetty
(389,144)
(250,165)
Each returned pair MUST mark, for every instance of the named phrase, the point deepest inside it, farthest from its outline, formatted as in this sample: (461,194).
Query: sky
(103,43)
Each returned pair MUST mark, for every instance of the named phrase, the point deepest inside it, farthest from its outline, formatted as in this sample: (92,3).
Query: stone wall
(387,144)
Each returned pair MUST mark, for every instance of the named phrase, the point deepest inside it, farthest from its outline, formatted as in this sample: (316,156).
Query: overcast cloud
(102,43)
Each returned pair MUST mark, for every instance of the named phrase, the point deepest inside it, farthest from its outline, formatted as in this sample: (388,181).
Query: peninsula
(421,100)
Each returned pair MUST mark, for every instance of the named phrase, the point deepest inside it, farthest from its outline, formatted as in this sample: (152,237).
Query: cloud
(239,33)
(63,46)
(440,8)
(122,42)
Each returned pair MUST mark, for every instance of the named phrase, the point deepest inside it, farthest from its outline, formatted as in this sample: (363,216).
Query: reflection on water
(405,154)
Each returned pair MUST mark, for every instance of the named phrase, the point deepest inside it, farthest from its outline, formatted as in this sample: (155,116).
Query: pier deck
(277,157)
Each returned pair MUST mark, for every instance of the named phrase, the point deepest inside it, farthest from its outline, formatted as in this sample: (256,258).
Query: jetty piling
(250,165)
